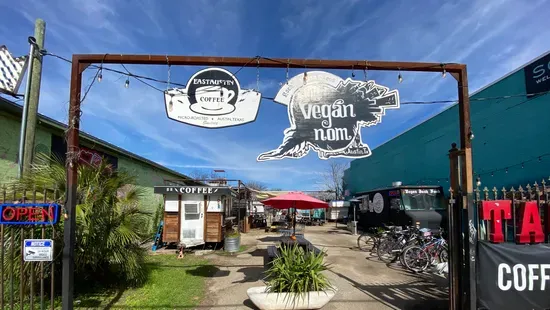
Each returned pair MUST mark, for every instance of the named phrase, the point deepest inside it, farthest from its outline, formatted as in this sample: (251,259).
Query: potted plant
(294,280)
(232,240)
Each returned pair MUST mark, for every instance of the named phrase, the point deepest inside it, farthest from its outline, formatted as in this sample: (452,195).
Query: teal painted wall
(506,132)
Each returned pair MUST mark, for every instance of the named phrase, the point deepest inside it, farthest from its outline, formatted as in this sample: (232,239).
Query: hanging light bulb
(478,181)
(171,103)
(492,174)
(305,77)
(127,83)
(444,75)
(399,78)
(522,166)
(506,170)
(352,72)
(99,75)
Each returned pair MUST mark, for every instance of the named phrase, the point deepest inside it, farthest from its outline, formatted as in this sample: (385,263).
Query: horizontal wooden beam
(265,62)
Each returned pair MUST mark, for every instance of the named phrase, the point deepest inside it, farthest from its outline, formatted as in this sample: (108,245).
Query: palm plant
(110,221)
(297,271)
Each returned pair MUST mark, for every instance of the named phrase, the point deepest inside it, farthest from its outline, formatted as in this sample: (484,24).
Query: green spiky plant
(299,272)
(110,221)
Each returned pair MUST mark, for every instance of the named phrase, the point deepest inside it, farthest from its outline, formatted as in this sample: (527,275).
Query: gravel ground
(363,281)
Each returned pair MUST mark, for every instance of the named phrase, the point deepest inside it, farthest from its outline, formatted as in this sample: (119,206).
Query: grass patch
(172,283)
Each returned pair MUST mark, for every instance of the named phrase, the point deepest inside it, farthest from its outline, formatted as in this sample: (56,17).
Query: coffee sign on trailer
(212,98)
(326,114)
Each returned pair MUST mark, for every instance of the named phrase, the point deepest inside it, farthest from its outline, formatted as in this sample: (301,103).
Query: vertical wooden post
(467,187)
(454,232)
(69,225)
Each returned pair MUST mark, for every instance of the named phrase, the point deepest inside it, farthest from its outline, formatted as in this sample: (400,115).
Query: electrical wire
(141,78)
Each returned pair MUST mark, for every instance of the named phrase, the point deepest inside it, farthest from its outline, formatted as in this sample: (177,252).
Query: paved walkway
(363,281)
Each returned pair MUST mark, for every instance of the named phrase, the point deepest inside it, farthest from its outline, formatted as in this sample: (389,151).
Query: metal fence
(539,193)
(27,285)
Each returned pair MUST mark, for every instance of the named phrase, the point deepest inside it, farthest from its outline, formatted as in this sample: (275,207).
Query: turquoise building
(511,145)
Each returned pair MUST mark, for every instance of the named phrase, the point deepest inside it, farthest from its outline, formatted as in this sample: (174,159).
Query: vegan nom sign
(213,98)
(326,114)
(29,213)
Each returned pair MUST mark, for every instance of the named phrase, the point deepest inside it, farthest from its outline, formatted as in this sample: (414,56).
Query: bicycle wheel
(443,256)
(366,243)
(385,250)
(415,258)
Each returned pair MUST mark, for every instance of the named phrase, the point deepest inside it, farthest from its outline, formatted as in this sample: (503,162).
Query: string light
(522,166)
(99,75)
(127,83)
(305,77)
(399,77)
(352,72)
(506,170)
(444,74)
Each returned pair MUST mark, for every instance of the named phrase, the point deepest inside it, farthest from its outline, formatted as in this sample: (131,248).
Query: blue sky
(491,37)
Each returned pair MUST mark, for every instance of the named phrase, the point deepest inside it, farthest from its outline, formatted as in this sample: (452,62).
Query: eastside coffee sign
(203,190)
(326,114)
(212,98)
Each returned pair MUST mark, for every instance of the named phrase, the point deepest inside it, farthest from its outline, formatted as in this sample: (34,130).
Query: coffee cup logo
(212,98)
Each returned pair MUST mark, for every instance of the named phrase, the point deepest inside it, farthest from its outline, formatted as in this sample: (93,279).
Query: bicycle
(369,241)
(417,258)
(391,246)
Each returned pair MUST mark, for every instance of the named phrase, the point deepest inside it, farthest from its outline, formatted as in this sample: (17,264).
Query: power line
(141,78)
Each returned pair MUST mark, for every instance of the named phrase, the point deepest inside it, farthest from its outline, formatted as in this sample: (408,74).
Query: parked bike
(419,257)
(392,244)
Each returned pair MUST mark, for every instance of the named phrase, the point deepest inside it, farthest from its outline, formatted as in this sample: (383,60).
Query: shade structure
(295,200)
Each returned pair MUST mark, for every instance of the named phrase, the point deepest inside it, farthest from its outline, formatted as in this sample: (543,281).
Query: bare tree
(259,186)
(199,174)
(333,180)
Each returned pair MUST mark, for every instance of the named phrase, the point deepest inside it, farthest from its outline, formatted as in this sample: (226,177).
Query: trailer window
(423,199)
(191,211)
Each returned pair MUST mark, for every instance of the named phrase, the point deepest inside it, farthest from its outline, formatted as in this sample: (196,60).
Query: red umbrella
(295,200)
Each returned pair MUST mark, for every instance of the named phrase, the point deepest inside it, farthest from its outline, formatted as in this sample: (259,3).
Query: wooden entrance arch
(462,268)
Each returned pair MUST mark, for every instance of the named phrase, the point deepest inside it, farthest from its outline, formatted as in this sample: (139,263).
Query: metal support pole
(22,134)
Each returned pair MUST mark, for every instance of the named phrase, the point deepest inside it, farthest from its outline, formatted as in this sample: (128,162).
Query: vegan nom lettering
(529,222)
(326,114)
(29,213)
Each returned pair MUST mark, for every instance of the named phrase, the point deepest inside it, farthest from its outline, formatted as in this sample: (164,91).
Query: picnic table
(285,241)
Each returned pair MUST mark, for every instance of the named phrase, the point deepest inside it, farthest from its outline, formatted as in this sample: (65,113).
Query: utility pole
(34,94)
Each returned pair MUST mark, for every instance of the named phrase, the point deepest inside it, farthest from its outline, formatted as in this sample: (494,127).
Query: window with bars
(191,211)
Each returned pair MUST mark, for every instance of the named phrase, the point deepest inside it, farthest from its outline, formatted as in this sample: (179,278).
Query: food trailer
(402,205)
(194,215)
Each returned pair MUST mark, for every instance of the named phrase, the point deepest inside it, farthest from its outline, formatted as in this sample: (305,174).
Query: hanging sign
(537,76)
(38,250)
(29,213)
(513,277)
(213,98)
(326,114)
(203,190)
(11,71)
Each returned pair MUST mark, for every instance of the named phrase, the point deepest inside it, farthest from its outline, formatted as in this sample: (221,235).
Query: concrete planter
(283,301)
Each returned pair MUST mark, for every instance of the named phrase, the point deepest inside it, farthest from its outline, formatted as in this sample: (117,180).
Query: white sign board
(213,98)
(38,250)
(11,71)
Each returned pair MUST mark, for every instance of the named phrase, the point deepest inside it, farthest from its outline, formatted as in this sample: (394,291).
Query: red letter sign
(530,224)
(491,210)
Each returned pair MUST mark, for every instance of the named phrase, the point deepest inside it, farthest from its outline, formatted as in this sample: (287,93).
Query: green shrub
(296,271)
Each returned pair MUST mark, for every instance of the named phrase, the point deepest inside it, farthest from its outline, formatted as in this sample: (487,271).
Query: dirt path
(363,282)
